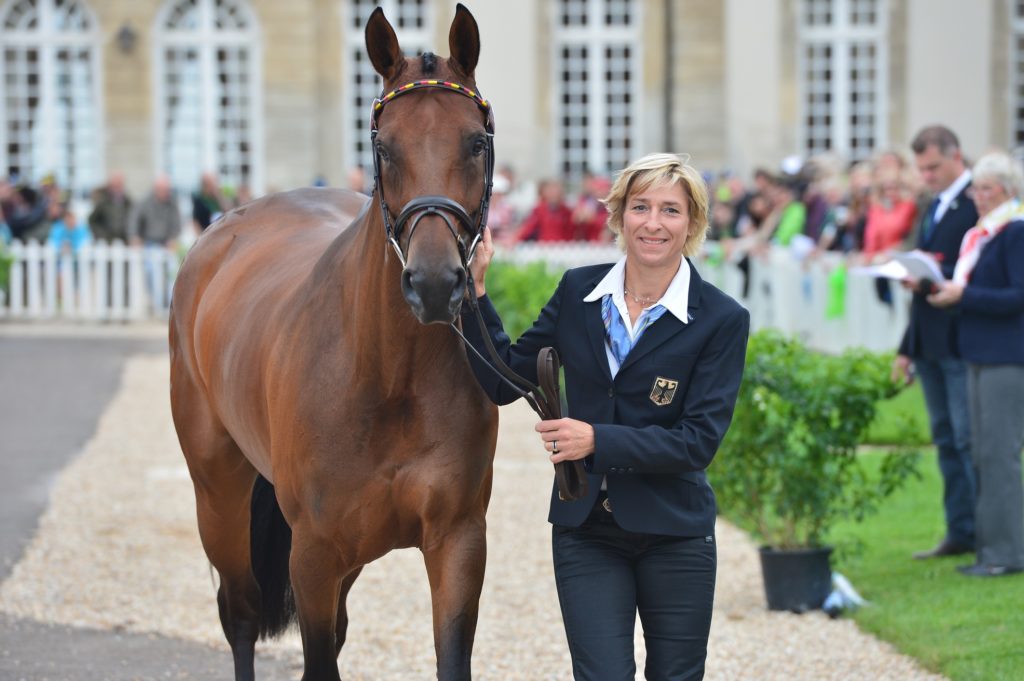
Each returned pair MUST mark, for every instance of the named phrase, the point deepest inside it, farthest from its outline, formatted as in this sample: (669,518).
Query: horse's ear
(382,46)
(464,41)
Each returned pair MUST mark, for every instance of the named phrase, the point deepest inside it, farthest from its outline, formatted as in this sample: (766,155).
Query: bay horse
(326,411)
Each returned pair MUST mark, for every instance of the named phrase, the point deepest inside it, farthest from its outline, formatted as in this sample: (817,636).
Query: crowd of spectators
(45,213)
(865,210)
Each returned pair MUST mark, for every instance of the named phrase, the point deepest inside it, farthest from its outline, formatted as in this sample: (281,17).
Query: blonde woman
(653,358)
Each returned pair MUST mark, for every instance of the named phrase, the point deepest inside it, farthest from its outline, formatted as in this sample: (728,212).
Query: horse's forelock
(429,63)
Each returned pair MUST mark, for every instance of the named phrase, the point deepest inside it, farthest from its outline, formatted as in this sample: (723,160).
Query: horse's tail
(270,543)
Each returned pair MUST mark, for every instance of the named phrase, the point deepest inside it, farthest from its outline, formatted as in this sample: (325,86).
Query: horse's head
(433,162)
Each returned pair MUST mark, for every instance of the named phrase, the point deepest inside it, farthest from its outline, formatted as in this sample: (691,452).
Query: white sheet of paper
(920,265)
(888,270)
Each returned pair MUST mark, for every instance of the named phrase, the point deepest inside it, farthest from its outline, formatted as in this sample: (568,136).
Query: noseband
(441,206)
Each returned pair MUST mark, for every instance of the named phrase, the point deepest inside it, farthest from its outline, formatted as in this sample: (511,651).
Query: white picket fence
(117,283)
(102,282)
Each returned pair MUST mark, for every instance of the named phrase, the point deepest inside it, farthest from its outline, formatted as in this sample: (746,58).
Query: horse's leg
(455,563)
(341,622)
(223,480)
(316,580)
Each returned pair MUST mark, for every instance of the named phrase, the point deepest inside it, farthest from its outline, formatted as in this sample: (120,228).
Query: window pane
(575,128)
(21,101)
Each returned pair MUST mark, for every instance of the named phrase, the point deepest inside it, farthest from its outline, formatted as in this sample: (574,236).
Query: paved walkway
(55,383)
(117,552)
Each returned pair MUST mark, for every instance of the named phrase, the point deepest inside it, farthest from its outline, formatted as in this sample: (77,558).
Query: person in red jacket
(589,216)
(550,219)
(890,217)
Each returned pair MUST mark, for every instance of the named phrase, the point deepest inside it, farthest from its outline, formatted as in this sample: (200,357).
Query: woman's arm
(521,357)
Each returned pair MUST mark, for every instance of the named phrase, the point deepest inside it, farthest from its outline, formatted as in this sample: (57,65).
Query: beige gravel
(118,549)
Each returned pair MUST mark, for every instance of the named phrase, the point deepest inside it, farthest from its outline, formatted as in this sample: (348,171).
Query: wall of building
(127,79)
(513,74)
(733,102)
(948,69)
(752,93)
(699,56)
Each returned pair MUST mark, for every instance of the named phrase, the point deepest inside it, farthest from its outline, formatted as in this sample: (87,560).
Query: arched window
(842,64)
(208,93)
(598,68)
(412,20)
(49,111)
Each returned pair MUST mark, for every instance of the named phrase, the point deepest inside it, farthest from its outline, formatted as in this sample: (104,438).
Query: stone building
(273,93)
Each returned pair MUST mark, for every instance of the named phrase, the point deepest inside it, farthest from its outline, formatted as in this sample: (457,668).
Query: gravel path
(118,549)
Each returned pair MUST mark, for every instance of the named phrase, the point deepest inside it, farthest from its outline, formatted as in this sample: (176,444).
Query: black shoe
(979,570)
(945,548)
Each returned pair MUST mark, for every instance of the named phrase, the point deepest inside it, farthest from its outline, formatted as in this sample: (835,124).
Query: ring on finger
(554,446)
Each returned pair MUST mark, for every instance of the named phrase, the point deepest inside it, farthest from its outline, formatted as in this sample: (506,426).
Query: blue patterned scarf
(618,335)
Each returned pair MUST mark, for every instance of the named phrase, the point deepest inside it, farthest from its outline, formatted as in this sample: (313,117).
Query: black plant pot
(797,580)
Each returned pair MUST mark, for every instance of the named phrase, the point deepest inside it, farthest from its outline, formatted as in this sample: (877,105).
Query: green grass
(969,629)
(901,420)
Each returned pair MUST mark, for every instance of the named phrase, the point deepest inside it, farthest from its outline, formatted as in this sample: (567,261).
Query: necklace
(639,300)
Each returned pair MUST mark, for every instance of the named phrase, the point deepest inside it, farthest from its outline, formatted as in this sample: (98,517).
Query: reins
(544,399)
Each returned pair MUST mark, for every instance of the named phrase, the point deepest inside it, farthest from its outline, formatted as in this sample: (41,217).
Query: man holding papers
(929,344)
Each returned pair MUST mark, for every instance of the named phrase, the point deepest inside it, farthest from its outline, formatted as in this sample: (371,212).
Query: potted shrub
(788,468)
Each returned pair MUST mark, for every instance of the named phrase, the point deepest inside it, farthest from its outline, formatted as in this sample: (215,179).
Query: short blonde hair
(656,170)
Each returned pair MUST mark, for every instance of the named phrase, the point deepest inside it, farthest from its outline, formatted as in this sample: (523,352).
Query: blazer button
(611,392)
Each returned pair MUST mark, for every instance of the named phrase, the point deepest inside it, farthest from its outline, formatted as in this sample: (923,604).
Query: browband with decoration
(379,103)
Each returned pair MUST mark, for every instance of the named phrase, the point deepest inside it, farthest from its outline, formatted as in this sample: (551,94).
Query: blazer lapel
(954,205)
(667,325)
(595,329)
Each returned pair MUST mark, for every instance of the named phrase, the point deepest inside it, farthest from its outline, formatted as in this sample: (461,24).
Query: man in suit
(929,346)
(653,359)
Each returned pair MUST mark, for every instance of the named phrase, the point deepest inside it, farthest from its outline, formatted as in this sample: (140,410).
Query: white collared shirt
(951,192)
(676,300)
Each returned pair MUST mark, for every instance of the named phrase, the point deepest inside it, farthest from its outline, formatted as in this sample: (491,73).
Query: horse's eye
(382,152)
(479,146)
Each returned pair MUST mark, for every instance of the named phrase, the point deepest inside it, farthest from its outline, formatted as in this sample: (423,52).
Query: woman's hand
(949,293)
(571,438)
(481,261)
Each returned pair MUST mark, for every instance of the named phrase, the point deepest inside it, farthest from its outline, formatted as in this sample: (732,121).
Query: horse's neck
(379,325)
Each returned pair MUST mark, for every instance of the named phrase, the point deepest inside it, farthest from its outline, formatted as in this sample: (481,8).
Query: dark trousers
(606,575)
(944,383)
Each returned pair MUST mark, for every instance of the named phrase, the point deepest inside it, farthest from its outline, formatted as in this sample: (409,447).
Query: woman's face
(655,225)
(988,194)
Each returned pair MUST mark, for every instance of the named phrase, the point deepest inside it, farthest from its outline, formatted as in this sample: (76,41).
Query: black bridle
(570,476)
(441,206)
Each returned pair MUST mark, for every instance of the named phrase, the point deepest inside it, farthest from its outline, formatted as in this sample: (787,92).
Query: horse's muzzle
(434,296)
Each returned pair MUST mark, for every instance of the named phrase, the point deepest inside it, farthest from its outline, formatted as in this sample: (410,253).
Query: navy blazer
(992,309)
(932,331)
(653,440)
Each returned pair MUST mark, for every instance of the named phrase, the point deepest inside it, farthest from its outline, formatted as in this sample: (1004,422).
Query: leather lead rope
(570,476)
